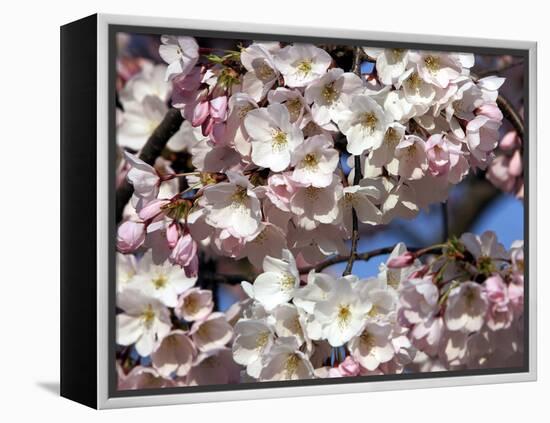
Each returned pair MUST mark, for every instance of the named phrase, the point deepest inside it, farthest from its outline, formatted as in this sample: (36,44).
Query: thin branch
(152,149)
(355,68)
(511,115)
(355,221)
(366,256)
(358,55)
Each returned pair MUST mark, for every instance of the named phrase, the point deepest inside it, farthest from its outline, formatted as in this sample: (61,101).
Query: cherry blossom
(301,64)
(273,136)
(291,158)
(144,321)
(181,54)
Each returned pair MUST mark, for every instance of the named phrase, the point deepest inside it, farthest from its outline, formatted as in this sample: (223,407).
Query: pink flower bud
(200,113)
(510,141)
(515,168)
(218,108)
(185,251)
(172,234)
(404,260)
(349,367)
(130,236)
(152,209)
(207,126)
(192,269)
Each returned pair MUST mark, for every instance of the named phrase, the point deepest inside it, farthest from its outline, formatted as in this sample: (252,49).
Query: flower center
(191,304)
(367,339)
(485,265)
(148,316)
(391,137)
(411,151)
(329,93)
(287,282)
(369,121)
(349,198)
(291,365)
(414,81)
(279,140)
(305,66)
(432,63)
(159,281)
(373,312)
(239,196)
(261,341)
(397,53)
(312,193)
(469,297)
(310,161)
(294,107)
(265,72)
(344,315)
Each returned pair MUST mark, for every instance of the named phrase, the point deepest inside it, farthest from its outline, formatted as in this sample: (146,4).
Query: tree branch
(366,256)
(355,68)
(152,149)
(511,115)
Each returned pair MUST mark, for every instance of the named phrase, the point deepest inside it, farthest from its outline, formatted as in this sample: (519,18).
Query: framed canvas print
(254,211)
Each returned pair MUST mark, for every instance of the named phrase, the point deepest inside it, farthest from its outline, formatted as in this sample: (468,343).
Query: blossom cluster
(171,325)
(264,127)
(464,309)
(328,327)
(284,155)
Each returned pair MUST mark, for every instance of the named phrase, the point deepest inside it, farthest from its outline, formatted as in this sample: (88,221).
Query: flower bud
(200,113)
(184,251)
(404,260)
(172,234)
(130,236)
(152,209)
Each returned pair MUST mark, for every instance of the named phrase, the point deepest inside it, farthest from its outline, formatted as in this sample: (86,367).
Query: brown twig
(511,115)
(355,68)
(366,256)
(152,149)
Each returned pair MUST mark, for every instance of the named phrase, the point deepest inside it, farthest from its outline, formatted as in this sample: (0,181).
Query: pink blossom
(218,108)
(404,260)
(516,164)
(438,155)
(175,354)
(184,251)
(130,236)
(280,188)
(500,314)
(141,377)
(491,110)
(510,141)
(349,367)
(194,304)
(200,113)
(172,234)
(418,300)
(152,209)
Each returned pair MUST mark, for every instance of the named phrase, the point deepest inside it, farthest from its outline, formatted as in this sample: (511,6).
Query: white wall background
(29,234)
